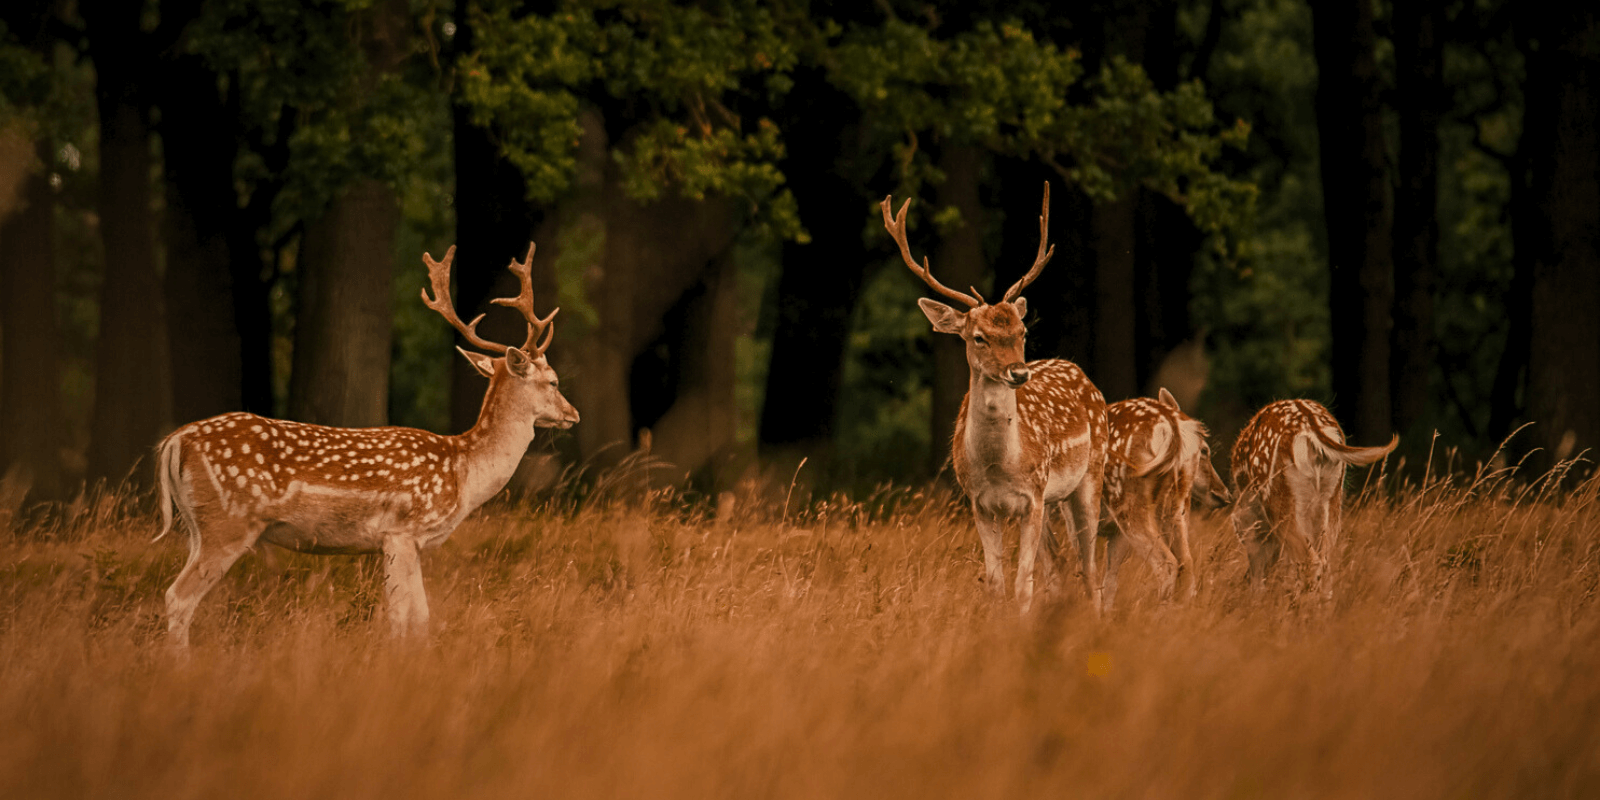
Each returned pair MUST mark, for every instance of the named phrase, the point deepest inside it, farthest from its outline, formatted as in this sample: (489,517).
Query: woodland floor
(843,650)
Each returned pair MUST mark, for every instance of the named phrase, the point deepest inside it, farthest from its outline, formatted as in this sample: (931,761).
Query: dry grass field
(841,650)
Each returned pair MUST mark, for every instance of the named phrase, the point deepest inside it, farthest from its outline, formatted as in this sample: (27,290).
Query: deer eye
(978,337)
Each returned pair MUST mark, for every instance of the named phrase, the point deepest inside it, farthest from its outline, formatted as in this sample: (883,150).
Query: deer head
(994,334)
(519,377)
(1208,488)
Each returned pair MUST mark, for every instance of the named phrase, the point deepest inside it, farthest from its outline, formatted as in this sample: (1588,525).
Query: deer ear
(1021,305)
(944,318)
(518,362)
(1167,399)
(482,363)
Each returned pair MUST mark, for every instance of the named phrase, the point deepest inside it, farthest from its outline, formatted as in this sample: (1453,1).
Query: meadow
(832,648)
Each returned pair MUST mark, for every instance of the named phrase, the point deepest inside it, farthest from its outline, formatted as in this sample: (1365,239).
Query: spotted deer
(1030,439)
(239,479)
(1160,463)
(1288,473)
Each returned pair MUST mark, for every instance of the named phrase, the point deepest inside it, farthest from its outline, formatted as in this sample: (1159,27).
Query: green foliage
(1000,88)
(886,400)
(25,78)
(676,74)
(1268,310)
(303,81)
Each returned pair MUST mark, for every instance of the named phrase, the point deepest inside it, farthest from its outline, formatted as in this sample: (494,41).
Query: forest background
(211,205)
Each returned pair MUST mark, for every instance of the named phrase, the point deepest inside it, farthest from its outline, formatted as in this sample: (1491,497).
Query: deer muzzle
(1015,375)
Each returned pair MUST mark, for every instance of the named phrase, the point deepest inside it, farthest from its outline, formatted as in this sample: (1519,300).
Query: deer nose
(1016,374)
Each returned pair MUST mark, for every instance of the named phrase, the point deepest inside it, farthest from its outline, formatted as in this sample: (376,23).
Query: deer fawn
(1288,470)
(1030,441)
(1147,506)
(238,478)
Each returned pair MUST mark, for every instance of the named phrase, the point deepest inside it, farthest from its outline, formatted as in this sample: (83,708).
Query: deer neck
(492,449)
(993,437)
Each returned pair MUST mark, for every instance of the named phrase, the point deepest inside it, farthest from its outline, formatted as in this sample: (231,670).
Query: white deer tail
(168,454)
(1167,443)
(1336,450)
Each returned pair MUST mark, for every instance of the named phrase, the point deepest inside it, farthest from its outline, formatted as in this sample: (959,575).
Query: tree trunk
(1115,307)
(201,204)
(958,263)
(1061,301)
(1356,205)
(1164,264)
(132,391)
(30,385)
(344,324)
(819,282)
(494,223)
(1563,117)
(695,426)
(1418,64)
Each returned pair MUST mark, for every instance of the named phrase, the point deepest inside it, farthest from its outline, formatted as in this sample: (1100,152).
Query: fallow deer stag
(239,479)
(1288,473)
(1147,506)
(1030,440)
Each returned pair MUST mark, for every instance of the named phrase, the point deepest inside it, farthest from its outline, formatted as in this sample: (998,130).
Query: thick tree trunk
(820,281)
(343,329)
(1356,205)
(30,384)
(1419,56)
(132,391)
(494,223)
(1506,404)
(1061,301)
(201,204)
(646,264)
(694,422)
(1115,307)
(1164,261)
(1563,117)
(958,263)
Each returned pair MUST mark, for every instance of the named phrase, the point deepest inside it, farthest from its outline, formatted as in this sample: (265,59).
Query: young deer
(1288,470)
(1147,506)
(238,478)
(1030,441)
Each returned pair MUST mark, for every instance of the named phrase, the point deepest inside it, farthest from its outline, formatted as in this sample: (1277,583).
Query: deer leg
(404,597)
(1084,503)
(1185,556)
(1055,531)
(206,566)
(990,533)
(1139,533)
(1332,527)
(1260,546)
(1028,550)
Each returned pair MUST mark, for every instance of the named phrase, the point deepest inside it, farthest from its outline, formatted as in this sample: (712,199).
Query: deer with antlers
(1288,472)
(1030,439)
(1160,463)
(239,479)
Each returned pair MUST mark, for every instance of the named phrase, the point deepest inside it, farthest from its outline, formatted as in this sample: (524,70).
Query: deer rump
(1315,481)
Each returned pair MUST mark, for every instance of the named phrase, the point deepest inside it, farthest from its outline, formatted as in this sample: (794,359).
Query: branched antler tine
(439,277)
(548,326)
(523,302)
(1044,255)
(896,225)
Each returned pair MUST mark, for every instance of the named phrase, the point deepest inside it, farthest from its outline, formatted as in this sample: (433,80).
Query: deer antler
(1044,255)
(523,302)
(896,225)
(439,277)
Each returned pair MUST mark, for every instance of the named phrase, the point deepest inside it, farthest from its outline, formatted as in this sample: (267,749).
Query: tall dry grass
(840,650)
